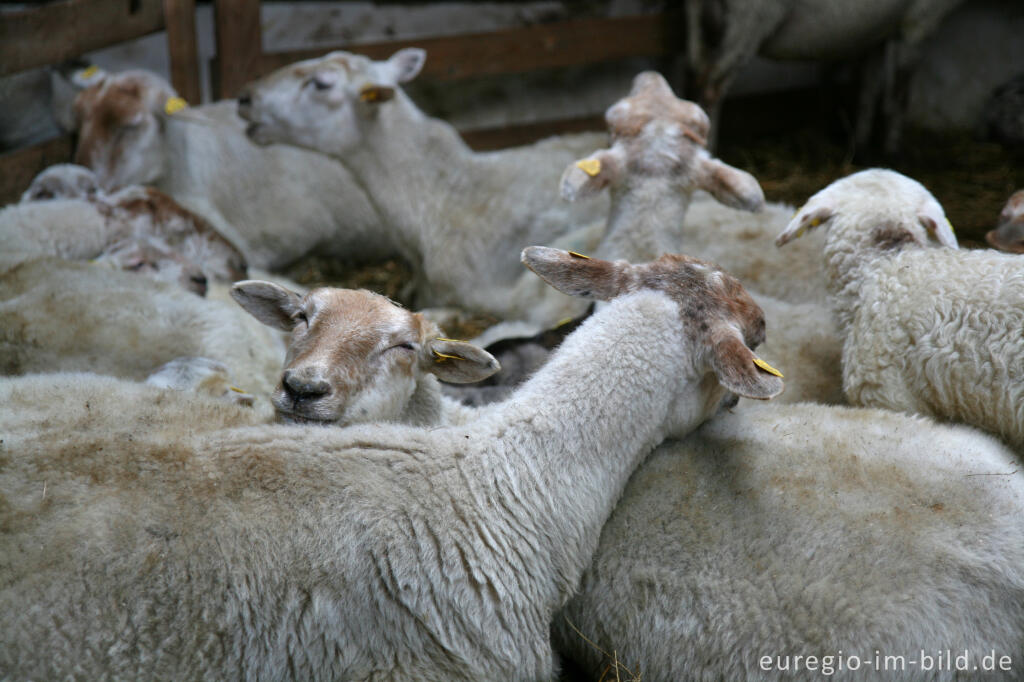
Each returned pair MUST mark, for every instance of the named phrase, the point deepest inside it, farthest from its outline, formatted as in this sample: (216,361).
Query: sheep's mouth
(286,417)
(257,133)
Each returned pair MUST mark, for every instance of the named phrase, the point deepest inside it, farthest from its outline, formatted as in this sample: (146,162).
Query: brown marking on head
(893,237)
(652,99)
(101,112)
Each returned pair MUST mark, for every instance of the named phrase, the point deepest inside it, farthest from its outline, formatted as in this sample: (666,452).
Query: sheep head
(721,321)
(322,104)
(1009,234)
(355,356)
(654,134)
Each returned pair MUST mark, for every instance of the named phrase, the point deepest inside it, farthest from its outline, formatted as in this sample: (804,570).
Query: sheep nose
(245,99)
(199,283)
(299,387)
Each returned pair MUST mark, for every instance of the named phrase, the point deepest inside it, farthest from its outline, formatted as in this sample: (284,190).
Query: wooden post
(180,19)
(239,44)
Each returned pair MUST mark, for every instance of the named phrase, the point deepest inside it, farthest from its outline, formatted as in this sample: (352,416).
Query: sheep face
(62,181)
(322,104)
(119,122)
(152,258)
(354,356)
(656,135)
(721,323)
(1009,235)
(873,210)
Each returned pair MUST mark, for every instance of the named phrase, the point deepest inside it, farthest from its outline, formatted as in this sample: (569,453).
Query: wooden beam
(518,50)
(239,45)
(17,168)
(180,16)
(59,31)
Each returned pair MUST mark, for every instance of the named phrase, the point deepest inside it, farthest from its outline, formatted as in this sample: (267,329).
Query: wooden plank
(518,50)
(17,168)
(524,133)
(180,18)
(239,45)
(63,30)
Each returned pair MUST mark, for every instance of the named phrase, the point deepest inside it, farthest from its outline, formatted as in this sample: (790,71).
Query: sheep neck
(644,220)
(573,434)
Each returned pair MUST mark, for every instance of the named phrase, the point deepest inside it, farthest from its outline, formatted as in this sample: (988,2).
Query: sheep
(722,36)
(655,163)
(460,216)
(58,315)
(1009,233)
(379,551)
(934,331)
(355,356)
(277,204)
(201,375)
(811,531)
(62,181)
(130,229)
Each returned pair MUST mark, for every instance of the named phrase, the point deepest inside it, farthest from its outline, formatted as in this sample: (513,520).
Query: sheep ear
(578,275)
(458,362)
(805,219)
(934,220)
(407,63)
(731,186)
(742,372)
(271,304)
(589,176)
(650,81)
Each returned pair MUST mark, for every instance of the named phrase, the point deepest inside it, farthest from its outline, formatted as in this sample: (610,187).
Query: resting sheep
(62,181)
(58,315)
(379,551)
(459,216)
(355,356)
(1009,233)
(277,203)
(811,531)
(936,331)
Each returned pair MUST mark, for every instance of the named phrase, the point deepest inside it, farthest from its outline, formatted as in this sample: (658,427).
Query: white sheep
(655,163)
(1009,233)
(277,203)
(199,375)
(936,331)
(814,532)
(723,35)
(379,551)
(58,315)
(355,356)
(62,181)
(459,216)
(133,228)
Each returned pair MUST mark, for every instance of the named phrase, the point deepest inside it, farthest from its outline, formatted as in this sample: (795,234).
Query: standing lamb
(459,216)
(1009,233)
(355,356)
(723,35)
(380,551)
(936,331)
(804,542)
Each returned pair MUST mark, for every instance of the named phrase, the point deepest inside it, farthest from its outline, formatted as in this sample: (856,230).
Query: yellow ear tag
(236,389)
(441,357)
(89,71)
(562,322)
(578,255)
(815,222)
(589,166)
(766,367)
(450,340)
(950,226)
(369,93)
(174,104)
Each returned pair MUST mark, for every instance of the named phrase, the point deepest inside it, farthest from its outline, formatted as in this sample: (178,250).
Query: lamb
(811,531)
(58,316)
(934,331)
(1009,234)
(277,204)
(655,163)
(458,215)
(355,356)
(62,181)
(379,551)
(130,228)
(722,36)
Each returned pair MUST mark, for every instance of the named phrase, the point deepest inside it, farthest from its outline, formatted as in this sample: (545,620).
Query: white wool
(805,530)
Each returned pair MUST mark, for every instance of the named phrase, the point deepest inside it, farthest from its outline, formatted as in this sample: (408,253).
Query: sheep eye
(404,346)
(301,317)
(318,84)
